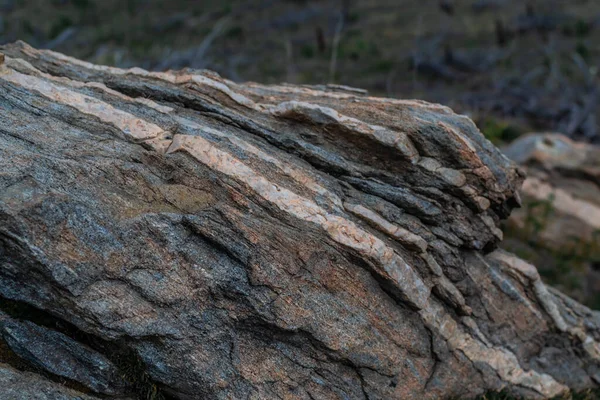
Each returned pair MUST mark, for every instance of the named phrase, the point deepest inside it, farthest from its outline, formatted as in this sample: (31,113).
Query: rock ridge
(251,241)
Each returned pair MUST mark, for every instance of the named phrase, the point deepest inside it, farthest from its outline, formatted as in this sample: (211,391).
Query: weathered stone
(60,355)
(250,241)
(17,385)
(567,174)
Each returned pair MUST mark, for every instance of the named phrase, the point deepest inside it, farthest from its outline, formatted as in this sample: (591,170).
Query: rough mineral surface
(250,241)
(60,355)
(16,385)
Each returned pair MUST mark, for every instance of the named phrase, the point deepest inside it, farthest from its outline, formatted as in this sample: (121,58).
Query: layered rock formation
(26,385)
(201,239)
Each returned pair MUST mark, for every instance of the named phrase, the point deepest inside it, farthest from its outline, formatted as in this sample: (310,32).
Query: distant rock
(562,202)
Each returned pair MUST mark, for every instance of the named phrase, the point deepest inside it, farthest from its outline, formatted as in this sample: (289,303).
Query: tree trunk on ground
(179,235)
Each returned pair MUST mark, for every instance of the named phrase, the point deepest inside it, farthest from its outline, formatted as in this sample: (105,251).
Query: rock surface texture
(17,385)
(263,242)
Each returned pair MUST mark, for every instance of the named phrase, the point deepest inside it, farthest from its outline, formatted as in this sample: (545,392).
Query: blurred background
(513,66)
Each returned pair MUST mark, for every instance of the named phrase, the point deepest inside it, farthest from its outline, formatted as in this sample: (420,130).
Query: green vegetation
(381,66)
(307,51)
(134,372)
(498,131)
(82,4)
(358,48)
(580,28)
(582,49)
(235,32)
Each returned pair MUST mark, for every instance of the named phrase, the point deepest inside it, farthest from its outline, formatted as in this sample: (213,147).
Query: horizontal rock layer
(250,241)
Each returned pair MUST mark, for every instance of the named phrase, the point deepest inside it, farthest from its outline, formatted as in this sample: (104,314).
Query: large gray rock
(249,241)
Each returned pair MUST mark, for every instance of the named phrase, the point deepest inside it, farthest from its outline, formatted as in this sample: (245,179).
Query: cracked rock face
(60,355)
(250,241)
(17,385)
